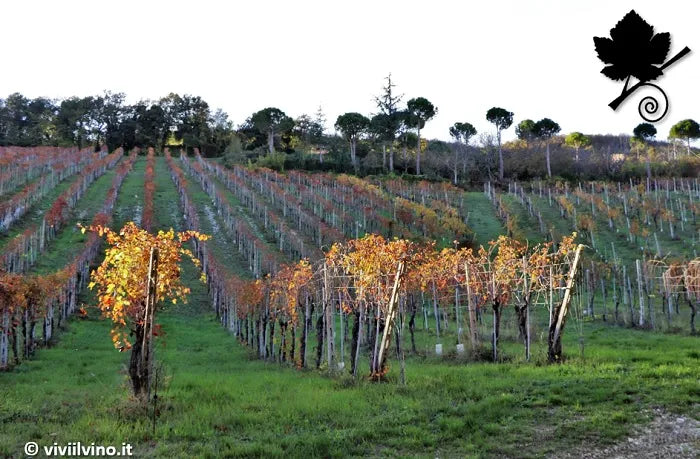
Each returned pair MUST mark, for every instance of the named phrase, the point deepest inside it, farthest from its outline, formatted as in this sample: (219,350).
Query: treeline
(388,141)
(107,120)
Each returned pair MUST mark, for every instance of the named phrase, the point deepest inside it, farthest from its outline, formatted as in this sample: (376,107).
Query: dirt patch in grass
(668,435)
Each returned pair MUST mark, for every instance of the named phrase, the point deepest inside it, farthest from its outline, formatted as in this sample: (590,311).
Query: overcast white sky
(535,58)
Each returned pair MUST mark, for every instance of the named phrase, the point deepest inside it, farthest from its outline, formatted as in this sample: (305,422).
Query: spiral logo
(649,106)
(31,448)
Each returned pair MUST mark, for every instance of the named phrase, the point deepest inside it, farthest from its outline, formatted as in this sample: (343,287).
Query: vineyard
(309,313)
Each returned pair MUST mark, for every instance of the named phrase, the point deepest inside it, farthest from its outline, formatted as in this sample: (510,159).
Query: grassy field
(217,400)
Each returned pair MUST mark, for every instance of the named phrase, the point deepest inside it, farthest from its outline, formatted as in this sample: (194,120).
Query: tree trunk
(418,154)
(319,335)
(496,329)
(648,171)
(549,167)
(309,310)
(271,141)
(353,154)
(384,156)
(500,155)
(356,338)
(412,324)
(521,315)
(455,166)
(391,157)
(693,312)
(138,372)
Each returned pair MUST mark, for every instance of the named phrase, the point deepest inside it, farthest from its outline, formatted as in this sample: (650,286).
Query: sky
(535,58)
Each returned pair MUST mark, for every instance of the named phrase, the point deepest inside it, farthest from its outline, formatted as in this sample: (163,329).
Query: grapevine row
(21,252)
(30,300)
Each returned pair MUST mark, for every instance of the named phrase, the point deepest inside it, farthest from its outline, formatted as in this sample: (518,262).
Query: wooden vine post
(378,369)
(557,326)
(149,314)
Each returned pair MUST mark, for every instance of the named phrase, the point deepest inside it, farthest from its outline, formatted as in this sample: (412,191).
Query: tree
(545,129)
(221,133)
(525,130)
(644,132)
(73,121)
(422,111)
(686,129)
(462,133)
(270,120)
(191,115)
(352,125)
(302,128)
(382,128)
(577,141)
(108,115)
(502,119)
(390,122)
(131,281)
(405,138)
(318,126)
(27,122)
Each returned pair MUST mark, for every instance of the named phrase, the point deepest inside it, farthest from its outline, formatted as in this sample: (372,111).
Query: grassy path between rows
(219,402)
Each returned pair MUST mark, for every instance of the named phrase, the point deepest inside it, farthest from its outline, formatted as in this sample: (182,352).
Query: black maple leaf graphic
(634,49)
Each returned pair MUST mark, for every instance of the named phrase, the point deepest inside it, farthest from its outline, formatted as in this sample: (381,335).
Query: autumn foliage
(121,279)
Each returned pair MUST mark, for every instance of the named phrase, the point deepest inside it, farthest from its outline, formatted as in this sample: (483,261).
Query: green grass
(482,218)
(129,204)
(218,401)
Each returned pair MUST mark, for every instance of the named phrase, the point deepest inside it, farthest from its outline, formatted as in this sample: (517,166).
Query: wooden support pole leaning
(558,325)
(390,318)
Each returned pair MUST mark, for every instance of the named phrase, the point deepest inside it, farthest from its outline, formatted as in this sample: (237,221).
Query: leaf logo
(633,50)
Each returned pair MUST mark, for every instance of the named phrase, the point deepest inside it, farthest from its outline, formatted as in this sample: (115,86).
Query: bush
(273,161)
